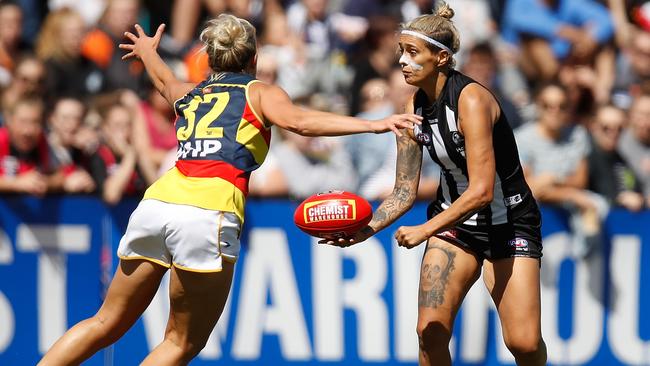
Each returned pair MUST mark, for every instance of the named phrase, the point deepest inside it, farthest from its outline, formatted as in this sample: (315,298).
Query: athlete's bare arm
(276,107)
(145,49)
(401,199)
(478,111)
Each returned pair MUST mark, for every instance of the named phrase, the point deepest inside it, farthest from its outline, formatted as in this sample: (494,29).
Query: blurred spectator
(153,125)
(121,169)
(379,58)
(11,42)
(609,175)
(25,162)
(635,142)
(28,79)
(90,10)
(186,15)
(481,65)
(70,146)
(549,31)
(314,164)
(69,73)
(373,156)
(633,68)
(554,153)
(414,8)
(100,46)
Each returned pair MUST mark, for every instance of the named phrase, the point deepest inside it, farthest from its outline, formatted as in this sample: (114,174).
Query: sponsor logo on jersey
(520,244)
(421,136)
(330,210)
(200,148)
(512,200)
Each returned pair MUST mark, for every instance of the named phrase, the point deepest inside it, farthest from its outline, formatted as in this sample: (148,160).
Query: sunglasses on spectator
(31,80)
(548,106)
(609,129)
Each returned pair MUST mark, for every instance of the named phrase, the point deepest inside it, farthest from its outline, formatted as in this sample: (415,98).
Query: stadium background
(297,303)
(294,302)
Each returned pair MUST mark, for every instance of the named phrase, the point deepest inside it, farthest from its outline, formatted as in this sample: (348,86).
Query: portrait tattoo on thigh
(434,276)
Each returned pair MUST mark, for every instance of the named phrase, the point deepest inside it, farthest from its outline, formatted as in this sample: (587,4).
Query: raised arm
(276,107)
(162,77)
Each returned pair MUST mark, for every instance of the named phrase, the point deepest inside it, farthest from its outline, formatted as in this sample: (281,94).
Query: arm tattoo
(409,161)
(437,264)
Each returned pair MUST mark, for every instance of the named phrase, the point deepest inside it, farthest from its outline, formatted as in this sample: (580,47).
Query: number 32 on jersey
(202,130)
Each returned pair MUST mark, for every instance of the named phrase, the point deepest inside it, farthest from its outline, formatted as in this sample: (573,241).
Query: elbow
(111,198)
(481,198)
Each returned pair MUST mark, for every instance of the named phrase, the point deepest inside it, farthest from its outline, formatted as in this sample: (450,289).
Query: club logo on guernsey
(330,210)
(520,244)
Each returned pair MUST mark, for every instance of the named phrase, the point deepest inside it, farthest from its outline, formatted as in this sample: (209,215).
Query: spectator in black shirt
(609,174)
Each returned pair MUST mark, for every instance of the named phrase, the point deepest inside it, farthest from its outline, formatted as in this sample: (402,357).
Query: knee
(525,345)
(433,334)
(187,348)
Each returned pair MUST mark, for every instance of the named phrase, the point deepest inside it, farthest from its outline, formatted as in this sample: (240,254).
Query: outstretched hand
(141,42)
(396,122)
(358,237)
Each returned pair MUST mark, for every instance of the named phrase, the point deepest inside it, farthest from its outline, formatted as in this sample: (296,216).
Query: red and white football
(333,214)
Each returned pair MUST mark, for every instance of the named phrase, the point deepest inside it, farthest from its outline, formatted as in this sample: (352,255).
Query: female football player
(484,213)
(190,219)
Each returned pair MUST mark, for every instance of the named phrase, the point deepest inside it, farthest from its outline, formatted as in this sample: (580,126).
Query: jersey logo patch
(512,200)
(520,244)
(421,136)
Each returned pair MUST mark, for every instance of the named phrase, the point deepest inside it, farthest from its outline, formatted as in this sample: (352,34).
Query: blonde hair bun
(444,10)
(230,42)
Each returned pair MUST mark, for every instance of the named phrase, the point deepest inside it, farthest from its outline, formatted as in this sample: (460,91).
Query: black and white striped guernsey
(439,134)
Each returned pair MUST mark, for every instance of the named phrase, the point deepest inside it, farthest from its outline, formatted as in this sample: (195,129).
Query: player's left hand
(411,236)
(141,42)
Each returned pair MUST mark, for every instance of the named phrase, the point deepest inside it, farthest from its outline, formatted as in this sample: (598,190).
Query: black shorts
(521,237)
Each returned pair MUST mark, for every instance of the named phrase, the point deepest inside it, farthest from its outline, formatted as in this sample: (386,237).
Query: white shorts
(187,237)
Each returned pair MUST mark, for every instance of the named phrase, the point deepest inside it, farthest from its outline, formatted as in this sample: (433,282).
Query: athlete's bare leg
(514,286)
(447,273)
(196,303)
(131,290)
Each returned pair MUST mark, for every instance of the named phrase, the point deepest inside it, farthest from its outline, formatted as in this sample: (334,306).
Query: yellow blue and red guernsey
(221,140)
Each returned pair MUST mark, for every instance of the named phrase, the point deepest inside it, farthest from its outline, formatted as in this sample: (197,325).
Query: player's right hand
(358,237)
(396,122)
(141,43)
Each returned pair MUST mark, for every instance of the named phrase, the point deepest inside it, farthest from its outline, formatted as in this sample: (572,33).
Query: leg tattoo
(435,276)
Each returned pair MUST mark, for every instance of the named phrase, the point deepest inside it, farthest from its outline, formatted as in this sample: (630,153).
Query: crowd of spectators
(572,76)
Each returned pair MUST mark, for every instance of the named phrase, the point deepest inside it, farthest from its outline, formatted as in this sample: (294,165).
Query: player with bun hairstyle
(190,219)
(484,214)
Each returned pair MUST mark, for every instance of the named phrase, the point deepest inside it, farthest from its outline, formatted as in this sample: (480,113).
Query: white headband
(428,39)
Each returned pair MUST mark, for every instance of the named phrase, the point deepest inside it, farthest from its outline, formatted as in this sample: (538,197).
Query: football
(333,214)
